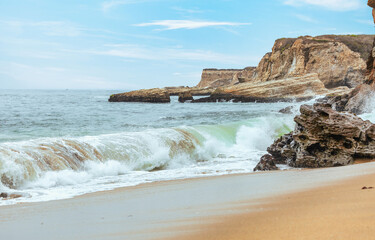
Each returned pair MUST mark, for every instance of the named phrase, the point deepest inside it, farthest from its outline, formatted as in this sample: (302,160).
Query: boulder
(324,137)
(185,96)
(287,110)
(155,95)
(266,163)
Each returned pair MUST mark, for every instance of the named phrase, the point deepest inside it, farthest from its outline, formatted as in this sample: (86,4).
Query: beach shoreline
(163,210)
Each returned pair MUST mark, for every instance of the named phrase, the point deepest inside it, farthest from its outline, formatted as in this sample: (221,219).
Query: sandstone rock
(214,78)
(155,95)
(266,163)
(339,60)
(296,88)
(195,91)
(360,99)
(333,60)
(324,137)
(185,96)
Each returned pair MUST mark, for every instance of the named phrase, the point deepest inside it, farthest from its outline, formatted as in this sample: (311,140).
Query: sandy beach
(296,204)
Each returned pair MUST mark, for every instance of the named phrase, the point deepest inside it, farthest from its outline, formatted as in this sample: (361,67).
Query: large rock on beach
(155,95)
(267,163)
(324,137)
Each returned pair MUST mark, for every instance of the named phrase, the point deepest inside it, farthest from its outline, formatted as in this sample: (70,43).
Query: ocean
(57,144)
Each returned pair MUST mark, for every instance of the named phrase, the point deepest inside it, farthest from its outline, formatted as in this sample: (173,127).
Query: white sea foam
(48,168)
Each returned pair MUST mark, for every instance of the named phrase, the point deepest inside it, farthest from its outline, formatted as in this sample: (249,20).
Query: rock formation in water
(290,89)
(185,96)
(338,61)
(213,78)
(155,95)
(324,137)
(330,134)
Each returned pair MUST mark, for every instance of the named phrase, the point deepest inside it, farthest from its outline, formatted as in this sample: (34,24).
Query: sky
(132,44)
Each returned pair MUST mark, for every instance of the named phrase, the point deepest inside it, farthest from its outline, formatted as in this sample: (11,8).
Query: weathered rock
(155,95)
(7,196)
(324,137)
(296,88)
(266,163)
(338,60)
(287,110)
(360,99)
(214,78)
(195,91)
(185,96)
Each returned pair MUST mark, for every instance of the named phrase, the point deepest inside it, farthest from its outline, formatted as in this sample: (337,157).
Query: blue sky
(131,44)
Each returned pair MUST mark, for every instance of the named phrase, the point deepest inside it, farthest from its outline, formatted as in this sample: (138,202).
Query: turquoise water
(59,144)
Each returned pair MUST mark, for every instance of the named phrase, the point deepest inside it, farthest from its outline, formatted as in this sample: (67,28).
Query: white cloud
(188,24)
(305,18)
(51,28)
(336,5)
(108,5)
(31,77)
(128,51)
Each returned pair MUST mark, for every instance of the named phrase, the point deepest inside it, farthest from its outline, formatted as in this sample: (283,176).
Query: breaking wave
(53,162)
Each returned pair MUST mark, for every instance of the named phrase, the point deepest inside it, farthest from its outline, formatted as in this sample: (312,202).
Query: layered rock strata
(361,99)
(324,137)
(290,89)
(214,78)
(155,95)
(339,60)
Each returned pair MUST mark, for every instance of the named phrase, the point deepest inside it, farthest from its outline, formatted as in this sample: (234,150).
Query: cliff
(212,77)
(329,134)
(339,60)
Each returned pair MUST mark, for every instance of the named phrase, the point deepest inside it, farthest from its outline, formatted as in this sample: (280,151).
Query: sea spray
(188,151)
(60,144)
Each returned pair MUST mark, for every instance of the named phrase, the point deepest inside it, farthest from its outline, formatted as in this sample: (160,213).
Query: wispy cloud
(108,5)
(306,18)
(335,5)
(138,52)
(52,28)
(187,10)
(187,24)
(30,76)
(368,22)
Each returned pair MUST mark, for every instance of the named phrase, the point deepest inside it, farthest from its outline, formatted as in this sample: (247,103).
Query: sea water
(60,144)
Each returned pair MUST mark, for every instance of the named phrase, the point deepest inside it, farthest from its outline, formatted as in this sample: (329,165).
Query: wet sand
(297,204)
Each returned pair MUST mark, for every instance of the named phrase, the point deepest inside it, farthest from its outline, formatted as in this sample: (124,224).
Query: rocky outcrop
(155,95)
(195,91)
(339,60)
(185,96)
(329,56)
(296,88)
(361,99)
(267,163)
(324,137)
(214,78)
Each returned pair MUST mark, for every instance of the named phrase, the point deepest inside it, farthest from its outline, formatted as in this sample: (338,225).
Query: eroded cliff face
(330,57)
(218,77)
(338,61)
